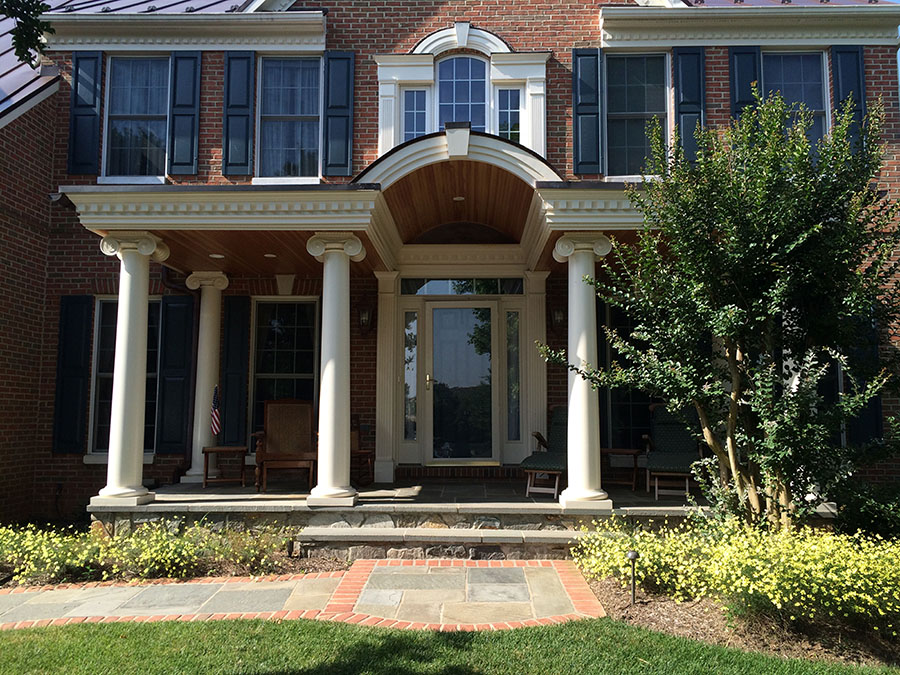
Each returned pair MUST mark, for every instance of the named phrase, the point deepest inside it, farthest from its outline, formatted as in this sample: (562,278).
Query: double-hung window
(415,113)
(137,116)
(800,77)
(636,93)
(290,101)
(104,360)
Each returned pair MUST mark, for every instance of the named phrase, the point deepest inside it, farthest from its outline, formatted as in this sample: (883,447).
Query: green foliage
(874,509)
(161,549)
(765,266)
(809,574)
(29,29)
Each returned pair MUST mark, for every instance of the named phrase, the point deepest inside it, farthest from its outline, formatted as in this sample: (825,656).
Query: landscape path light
(632,556)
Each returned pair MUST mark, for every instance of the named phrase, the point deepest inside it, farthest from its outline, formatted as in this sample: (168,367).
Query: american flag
(215,423)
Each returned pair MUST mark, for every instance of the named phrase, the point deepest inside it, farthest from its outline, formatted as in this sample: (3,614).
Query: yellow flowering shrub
(807,574)
(163,549)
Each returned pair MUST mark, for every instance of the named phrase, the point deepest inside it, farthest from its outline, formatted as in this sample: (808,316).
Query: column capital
(145,243)
(216,279)
(345,242)
(572,242)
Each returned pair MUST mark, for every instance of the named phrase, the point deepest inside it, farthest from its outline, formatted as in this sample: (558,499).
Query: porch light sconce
(366,319)
(557,319)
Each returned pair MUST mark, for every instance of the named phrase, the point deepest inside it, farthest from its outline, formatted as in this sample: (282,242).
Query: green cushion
(545,461)
(671,462)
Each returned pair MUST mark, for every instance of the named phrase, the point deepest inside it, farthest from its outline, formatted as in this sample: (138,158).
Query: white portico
(459,236)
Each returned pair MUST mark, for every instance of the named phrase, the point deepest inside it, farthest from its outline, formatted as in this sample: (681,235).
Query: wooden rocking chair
(286,441)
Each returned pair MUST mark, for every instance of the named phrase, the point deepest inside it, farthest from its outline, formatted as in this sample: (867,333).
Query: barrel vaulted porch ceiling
(493,201)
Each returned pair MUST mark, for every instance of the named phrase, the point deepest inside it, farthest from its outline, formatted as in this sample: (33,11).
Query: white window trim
(287,180)
(670,112)
(96,456)
(104,177)
(826,75)
(251,389)
(399,72)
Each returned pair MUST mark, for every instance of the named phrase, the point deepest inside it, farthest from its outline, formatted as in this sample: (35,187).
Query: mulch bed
(707,621)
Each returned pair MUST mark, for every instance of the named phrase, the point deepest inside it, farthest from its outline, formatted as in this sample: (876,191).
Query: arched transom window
(462,91)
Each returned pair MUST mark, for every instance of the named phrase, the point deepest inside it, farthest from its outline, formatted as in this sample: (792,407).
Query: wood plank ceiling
(429,197)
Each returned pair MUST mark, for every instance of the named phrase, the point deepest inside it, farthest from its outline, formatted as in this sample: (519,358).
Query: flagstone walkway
(447,595)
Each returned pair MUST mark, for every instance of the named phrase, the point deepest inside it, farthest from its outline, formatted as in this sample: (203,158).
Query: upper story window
(509,114)
(462,86)
(636,92)
(801,79)
(290,101)
(415,114)
(137,116)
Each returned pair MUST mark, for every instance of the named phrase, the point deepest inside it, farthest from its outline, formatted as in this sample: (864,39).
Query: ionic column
(335,250)
(581,250)
(211,285)
(126,433)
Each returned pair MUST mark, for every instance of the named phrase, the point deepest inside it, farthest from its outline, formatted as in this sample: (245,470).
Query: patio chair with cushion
(671,449)
(545,466)
(286,441)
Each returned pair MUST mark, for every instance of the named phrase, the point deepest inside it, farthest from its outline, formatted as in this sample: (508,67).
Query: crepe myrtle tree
(765,269)
(28,29)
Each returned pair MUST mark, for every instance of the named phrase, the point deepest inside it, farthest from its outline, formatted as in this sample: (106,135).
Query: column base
(335,496)
(587,499)
(132,500)
(384,471)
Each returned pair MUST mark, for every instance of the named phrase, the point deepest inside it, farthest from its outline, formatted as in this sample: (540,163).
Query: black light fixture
(557,318)
(632,556)
(366,319)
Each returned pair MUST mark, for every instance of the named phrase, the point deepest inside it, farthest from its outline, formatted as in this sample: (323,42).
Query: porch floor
(409,495)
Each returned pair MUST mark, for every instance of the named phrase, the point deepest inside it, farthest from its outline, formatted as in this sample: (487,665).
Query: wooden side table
(627,452)
(224,450)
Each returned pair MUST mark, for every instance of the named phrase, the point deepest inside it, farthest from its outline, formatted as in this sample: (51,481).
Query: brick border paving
(340,605)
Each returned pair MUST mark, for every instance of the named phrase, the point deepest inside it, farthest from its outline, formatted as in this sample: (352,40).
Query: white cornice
(267,31)
(573,209)
(461,35)
(206,210)
(820,26)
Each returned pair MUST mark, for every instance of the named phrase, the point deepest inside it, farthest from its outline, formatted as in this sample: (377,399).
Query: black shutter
(586,150)
(184,113)
(849,79)
(235,370)
(237,122)
(867,425)
(337,126)
(745,64)
(690,95)
(84,113)
(176,352)
(73,373)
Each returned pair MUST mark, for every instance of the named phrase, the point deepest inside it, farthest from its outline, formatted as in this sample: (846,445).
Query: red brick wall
(25,174)
(69,261)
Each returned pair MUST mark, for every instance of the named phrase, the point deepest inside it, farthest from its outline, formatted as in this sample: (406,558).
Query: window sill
(103,458)
(131,180)
(286,180)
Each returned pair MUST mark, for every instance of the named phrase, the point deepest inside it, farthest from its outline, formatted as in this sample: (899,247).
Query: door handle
(428,380)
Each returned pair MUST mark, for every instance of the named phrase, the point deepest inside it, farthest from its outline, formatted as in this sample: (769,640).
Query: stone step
(422,542)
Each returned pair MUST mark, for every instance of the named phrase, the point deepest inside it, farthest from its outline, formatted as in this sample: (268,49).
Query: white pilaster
(535,88)
(388,115)
(581,250)
(126,435)
(386,373)
(335,250)
(211,285)
(533,365)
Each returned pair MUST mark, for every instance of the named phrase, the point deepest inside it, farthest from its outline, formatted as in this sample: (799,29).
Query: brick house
(327,200)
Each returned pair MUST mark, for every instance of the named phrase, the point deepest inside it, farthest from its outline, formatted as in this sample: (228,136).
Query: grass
(583,647)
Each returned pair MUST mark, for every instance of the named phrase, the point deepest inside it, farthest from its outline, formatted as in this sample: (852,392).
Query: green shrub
(803,575)
(161,549)
(869,508)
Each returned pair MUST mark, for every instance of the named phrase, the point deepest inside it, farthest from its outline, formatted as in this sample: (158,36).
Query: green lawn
(579,648)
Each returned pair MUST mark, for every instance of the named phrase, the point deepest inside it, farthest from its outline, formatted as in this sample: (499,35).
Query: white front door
(461,397)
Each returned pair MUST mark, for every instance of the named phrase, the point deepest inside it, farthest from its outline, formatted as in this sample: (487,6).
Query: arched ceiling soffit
(437,195)
(408,157)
